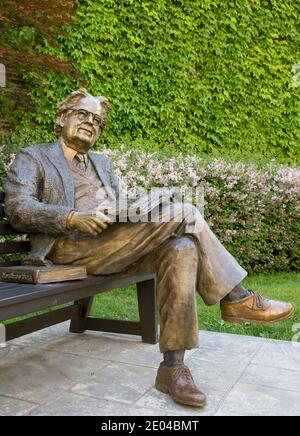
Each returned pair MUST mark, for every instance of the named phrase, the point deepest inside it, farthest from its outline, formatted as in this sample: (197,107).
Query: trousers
(185,262)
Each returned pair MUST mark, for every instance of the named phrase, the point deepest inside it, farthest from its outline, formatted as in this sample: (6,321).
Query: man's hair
(71,101)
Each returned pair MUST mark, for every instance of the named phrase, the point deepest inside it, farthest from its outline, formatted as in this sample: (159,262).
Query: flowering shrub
(255,212)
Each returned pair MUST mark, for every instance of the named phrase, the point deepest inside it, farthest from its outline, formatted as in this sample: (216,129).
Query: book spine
(17,277)
(36,276)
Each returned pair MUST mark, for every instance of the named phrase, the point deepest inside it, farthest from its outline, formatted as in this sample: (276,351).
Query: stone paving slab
(256,400)
(13,407)
(118,382)
(279,354)
(77,405)
(54,372)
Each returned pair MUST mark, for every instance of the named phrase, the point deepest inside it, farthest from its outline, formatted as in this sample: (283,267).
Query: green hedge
(254,210)
(207,76)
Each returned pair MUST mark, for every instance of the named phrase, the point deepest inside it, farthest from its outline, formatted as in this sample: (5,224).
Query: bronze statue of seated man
(51,193)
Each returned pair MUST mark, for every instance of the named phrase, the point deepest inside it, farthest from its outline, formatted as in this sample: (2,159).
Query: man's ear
(62,120)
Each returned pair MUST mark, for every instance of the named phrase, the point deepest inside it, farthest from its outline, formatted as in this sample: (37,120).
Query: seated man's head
(81,119)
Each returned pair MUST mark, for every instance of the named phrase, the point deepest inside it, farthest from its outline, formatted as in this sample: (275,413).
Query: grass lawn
(122,304)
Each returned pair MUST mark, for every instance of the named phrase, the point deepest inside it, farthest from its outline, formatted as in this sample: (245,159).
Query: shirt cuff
(69,219)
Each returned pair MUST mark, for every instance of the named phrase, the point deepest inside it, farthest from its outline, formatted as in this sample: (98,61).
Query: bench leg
(78,324)
(146,293)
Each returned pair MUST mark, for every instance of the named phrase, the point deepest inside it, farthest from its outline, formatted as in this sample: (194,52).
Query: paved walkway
(54,372)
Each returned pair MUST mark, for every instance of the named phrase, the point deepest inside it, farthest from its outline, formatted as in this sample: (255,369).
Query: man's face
(81,127)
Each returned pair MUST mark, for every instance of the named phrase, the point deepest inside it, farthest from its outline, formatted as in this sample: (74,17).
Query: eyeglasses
(83,115)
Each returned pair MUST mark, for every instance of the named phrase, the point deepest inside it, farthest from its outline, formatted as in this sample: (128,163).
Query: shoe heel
(161,387)
(233,320)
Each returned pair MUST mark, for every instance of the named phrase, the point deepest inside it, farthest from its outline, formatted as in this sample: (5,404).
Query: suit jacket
(40,193)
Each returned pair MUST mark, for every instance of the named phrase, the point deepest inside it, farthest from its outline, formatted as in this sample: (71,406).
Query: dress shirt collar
(70,154)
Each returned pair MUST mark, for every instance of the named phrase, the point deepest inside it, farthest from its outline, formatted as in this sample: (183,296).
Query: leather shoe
(178,382)
(255,308)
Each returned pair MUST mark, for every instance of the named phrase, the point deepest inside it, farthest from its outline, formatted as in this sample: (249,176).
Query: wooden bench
(22,299)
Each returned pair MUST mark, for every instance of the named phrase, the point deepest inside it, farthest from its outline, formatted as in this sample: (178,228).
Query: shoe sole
(162,388)
(254,321)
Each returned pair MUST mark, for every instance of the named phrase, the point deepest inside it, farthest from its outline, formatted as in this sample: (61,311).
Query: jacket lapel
(99,164)
(56,156)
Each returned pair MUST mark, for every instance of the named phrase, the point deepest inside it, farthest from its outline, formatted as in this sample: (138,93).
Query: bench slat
(21,293)
(4,287)
(14,247)
(30,325)
(7,229)
(113,326)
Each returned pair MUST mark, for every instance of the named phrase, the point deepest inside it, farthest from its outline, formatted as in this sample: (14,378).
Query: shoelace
(185,372)
(259,302)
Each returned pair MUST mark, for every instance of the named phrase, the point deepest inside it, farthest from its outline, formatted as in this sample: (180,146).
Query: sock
(174,358)
(238,293)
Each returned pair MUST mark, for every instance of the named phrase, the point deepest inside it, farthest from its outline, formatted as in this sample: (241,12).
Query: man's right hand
(88,223)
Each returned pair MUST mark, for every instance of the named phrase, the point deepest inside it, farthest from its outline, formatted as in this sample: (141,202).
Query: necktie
(81,162)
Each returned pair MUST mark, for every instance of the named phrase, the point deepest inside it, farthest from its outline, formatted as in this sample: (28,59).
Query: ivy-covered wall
(196,75)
